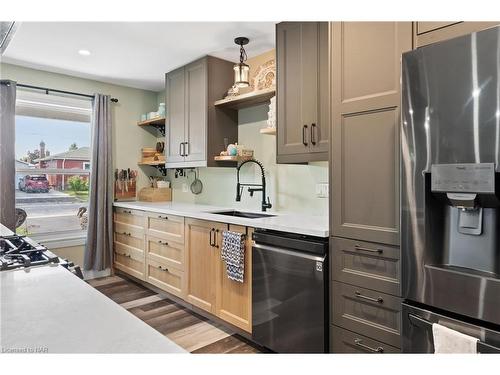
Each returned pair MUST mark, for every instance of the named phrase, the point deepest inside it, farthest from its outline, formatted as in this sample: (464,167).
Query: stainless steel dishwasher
(290,292)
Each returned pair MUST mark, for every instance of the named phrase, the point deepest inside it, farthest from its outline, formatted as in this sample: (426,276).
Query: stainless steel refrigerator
(450,190)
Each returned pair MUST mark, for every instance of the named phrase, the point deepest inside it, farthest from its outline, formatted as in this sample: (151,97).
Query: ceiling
(134,54)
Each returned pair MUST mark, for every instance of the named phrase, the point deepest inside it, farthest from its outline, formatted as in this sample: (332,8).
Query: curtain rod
(47,90)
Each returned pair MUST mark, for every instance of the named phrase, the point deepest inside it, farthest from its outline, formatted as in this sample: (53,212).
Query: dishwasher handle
(299,254)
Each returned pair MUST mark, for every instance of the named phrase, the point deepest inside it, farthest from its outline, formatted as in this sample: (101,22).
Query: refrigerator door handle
(482,347)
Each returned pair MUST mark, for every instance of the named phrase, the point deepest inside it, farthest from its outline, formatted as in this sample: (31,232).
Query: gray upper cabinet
(196,113)
(365,123)
(176,115)
(303,121)
(195,129)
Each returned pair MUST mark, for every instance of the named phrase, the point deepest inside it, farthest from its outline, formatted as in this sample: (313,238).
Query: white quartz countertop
(4,231)
(48,309)
(286,222)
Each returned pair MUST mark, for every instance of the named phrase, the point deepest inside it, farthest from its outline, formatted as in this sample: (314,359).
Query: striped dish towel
(233,254)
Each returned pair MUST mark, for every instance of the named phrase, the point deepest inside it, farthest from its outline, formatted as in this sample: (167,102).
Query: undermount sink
(248,215)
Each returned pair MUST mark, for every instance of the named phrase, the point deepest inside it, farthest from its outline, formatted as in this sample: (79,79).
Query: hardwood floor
(189,330)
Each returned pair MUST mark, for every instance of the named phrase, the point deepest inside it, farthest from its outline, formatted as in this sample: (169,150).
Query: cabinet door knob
(304,135)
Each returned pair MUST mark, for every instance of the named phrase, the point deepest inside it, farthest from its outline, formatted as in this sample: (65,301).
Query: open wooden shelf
(232,158)
(247,100)
(157,123)
(152,163)
(270,131)
(153,121)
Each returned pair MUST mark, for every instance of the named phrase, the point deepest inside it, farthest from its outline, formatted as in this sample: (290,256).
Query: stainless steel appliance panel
(289,299)
(451,115)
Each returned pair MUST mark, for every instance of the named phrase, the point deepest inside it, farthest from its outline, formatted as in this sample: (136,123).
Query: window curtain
(99,248)
(7,154)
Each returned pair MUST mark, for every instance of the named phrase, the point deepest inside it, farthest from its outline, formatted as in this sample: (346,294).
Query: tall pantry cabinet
(364,171)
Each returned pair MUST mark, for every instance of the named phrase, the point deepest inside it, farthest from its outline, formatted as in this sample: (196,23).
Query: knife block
(125,190)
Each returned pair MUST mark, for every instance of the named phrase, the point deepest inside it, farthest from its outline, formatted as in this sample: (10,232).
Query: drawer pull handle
(127,212)
(378,300)
(124,254)
(359,343)
(163,269)
(361,248)
(162,217)
(127,234)
(163,243)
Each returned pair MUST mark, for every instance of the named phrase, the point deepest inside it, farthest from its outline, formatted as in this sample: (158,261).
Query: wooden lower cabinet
(201,258)
(170,253)
(185,262)
(128,242)
(165,277)
(168,227)
(234,299)
(208,286)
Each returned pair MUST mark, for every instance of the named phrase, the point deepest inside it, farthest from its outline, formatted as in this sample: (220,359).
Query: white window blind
(39,104)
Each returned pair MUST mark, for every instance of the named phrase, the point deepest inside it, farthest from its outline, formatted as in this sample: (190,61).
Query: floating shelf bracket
(160,128)
(161,168)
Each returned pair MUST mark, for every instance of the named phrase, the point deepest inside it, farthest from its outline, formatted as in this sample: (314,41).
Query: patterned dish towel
(233,254)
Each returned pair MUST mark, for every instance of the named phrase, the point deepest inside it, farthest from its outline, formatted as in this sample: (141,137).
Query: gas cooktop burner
(18,251)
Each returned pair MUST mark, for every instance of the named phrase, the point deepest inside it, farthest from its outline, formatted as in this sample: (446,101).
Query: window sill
(60,240)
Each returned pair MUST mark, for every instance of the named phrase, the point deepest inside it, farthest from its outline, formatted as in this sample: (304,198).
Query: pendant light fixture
(241,70)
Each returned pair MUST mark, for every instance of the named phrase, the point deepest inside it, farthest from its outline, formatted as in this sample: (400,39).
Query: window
(52,164)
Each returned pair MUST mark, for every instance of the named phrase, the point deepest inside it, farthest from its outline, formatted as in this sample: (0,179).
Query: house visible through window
(52,164)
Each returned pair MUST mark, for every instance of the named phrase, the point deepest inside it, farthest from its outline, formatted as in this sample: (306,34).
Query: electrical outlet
(322,190)
(185,188)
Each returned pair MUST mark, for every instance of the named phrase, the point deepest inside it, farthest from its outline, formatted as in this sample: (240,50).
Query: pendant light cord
(243,54)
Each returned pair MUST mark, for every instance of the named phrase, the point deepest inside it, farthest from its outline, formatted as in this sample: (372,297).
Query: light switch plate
(322,190)
(185,188)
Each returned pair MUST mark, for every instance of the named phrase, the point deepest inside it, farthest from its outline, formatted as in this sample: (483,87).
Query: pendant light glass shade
(241,74)
(241,70)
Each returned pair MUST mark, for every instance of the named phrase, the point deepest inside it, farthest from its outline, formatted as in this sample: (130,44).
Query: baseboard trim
(91,274)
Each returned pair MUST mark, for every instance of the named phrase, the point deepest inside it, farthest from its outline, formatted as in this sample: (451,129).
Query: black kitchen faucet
(257,187)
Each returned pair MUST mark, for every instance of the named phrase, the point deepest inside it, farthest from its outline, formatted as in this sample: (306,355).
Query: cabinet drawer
(344,341)
(364,311)
(168,252)
(129,251)
(167,227)
(131,217)
(165,277)
(366,264)
(129,235)
(131,262)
